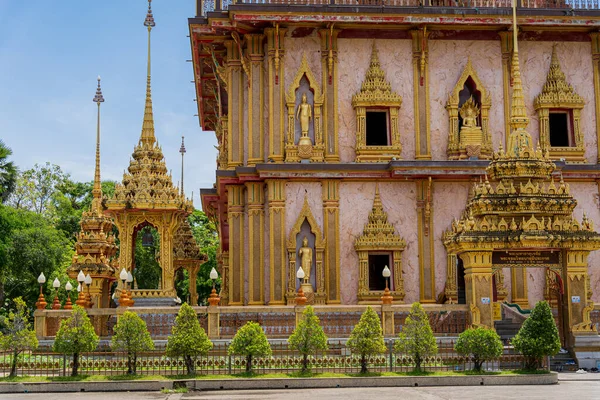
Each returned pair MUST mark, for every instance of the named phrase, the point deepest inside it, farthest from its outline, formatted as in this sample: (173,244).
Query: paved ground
(566,389)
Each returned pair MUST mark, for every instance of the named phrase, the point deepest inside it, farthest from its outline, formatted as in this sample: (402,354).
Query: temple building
(422,136)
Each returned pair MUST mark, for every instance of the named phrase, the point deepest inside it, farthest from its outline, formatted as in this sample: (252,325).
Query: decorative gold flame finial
(97,190)
(182,151)
(148,124)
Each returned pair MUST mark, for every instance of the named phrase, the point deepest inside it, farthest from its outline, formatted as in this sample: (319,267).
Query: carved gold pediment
(290,96)
(376,91)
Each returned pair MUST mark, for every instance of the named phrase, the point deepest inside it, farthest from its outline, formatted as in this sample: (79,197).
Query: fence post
(391,354)
(39,323)
(299,310)
(229,365)
(64,365)
(213,322)
(387,320)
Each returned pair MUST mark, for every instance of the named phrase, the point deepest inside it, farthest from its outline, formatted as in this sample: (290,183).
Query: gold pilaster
(329,71)
(451,290)
(235,93)
(420,50)
(506,46)
(223,263)
(256,242)
(575,279)
(478,285)
(276,95)
(426,242)
(595,63)
(255,99)
(331,221)
(277,244)
(235,214)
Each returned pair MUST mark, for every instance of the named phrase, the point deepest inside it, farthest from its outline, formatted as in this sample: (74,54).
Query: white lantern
(88,279)
(123,274)
(80,277)
(41,279)
(300,273)
(213,274)
(68,287)
(386,272)
(56,283)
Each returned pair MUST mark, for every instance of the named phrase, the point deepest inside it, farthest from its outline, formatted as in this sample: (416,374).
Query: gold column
(256,146)
(575,275)
(256,242)
(331,220)
(595,61)
(478,285)
(277,245)
(223,262)
(426,242)
(519,289)
(235,214)
(506,47)
(276,92)
(329,81)
(235,100)
(451,290)
(421,93)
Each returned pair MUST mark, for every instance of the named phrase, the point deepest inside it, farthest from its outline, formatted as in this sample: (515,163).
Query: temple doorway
(146,269)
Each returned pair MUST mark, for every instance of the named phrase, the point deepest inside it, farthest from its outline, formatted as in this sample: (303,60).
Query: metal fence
(338,358)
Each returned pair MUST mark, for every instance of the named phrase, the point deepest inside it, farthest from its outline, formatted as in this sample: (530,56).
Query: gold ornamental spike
(147,136)
(97,190)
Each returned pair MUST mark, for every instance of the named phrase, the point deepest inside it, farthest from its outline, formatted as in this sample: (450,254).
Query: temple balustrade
(278,322)
(206,6)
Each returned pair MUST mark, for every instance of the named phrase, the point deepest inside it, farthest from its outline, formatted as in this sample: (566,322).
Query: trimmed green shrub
(366,338)
(76,335)
(308,337)
(417,337)
(18,335)
(188,339)
(250,341)
(481,344)
(538,336)
(131,335)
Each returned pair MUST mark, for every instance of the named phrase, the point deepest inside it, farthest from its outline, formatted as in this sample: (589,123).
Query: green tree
(147,271)
(308,337)
(36,188)
(8,173)
(481,343)
(17,335)
(131,335)
(417,337)
(538,336)
(250,341)
(205,233)
(188,339)
(75,336)
(366,338)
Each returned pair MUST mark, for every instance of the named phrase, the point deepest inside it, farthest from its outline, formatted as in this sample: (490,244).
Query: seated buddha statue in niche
(470,134)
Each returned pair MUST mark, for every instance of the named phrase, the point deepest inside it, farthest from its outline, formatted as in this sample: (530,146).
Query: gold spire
(147,136)
(182,151)
(519,137)
(97,190)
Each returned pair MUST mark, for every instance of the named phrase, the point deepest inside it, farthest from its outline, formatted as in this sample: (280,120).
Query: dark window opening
(559,129)
(460,284)
(377,263)
(377,128)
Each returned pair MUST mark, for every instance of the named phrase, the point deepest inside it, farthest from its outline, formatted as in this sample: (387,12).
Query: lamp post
(68,288)
(81,297)
(88,296)
(300,299)
(41,303)
(214,299)
(130,284)
(123,300)
(387,296)
(56,302)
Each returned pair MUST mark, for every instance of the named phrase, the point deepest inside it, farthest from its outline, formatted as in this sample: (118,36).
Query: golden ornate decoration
(467,141)
(317,153)
(95,246)
(147,196)
(187,255)
(557,93)
(379,235)
(320,295)
(376,93)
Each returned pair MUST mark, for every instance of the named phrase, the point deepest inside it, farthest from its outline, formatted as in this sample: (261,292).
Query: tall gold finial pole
(148,124)
(97,190)
(519,137)
(182,151)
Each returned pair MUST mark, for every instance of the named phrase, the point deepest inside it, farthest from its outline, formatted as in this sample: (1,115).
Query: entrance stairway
(507,329)
(563,362)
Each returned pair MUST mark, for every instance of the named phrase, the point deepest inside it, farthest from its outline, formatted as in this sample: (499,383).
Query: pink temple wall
(447,60)
(399,202)
(295,193)
(449,202)
(354,56)
(295,49)
(576,62)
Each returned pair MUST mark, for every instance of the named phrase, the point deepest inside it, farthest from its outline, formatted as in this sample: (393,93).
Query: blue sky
(50,55)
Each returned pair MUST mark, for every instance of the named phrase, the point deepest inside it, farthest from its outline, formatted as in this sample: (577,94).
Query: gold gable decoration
(291,147)
(557,93)
(306,214)
(376,92)
(459,147)
(379,235)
